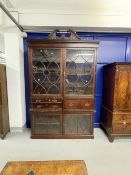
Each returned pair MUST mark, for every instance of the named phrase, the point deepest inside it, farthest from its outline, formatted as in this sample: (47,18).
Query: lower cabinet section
(60,125)
(115,124)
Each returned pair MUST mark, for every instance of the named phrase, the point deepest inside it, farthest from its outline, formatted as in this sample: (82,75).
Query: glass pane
(47,129)
(47,124)
(76,124)
(46,71)
(79,71)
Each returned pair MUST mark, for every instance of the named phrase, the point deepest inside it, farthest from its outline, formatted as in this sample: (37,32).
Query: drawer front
(46,100)
(122,118)
(46,105)
(79,104)
(122,128)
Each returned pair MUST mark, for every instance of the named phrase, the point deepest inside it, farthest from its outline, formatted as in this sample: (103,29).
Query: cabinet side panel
(4,116)
(1,129)
(106,119)
(5,113)
(108,87)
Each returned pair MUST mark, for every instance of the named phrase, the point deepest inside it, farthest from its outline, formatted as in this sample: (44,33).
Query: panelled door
(79,68)
(123,88)
(46,71)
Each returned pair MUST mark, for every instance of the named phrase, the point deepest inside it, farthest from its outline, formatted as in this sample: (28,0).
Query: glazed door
(123,89)
(78,124)
(46,123)
(46,72)
(79,72)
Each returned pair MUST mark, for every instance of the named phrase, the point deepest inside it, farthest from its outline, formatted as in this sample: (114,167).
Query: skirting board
(18,129)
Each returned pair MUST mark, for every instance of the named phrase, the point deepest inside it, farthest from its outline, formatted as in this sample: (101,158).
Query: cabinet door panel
(46,71)
(123,89)
(79,71)
(77,124)
(46,123)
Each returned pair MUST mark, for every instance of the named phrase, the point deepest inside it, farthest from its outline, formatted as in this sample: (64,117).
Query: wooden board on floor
(62,167)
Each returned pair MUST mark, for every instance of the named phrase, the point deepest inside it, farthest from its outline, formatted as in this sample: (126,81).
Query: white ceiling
(86,15)
(71,6)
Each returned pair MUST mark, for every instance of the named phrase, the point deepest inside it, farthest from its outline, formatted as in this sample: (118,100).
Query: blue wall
(112,48)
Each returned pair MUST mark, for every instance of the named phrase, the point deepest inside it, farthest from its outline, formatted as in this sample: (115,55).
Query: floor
(101,156)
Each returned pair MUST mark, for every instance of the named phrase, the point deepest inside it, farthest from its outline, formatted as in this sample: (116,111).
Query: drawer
(46,100)
(122,128)
(122,118)
(46,105)
(87,104)
(79,104)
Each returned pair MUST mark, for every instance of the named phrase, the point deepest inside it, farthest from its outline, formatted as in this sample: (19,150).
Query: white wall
(2,44)
(15,79)
(15,72)
(2,48)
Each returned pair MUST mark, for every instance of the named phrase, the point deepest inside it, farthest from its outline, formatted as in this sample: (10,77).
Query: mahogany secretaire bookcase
(62,86)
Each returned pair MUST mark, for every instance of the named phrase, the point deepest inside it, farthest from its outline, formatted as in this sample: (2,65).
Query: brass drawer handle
(124,122)
(87,104)
(54,106)
(54,100)
(38,101)
(39,106)
(71,104)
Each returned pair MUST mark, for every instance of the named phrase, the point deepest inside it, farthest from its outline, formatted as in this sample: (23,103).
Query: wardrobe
(116,105)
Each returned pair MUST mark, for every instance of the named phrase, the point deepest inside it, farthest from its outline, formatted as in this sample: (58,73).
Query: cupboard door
(78,124)
(46,124)
(79,72)
(123,89)
(46,71)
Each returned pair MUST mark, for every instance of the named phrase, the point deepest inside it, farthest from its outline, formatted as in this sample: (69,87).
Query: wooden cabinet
(116,107)
(4,116)
(62,86)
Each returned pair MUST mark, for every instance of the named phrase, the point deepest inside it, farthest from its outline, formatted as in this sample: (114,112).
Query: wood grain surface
(68,167)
